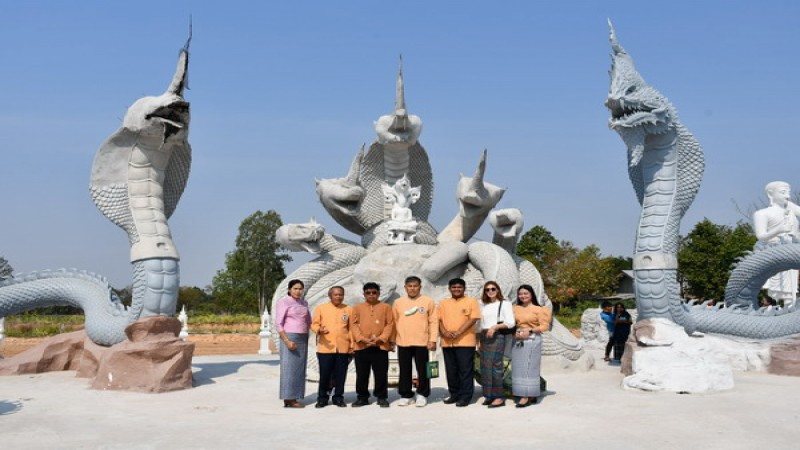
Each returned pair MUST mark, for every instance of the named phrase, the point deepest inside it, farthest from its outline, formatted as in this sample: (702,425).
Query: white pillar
(2,328)
(184,323)
(265,334)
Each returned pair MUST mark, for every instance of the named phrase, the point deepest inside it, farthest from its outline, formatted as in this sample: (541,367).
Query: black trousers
(619,346)
(376,360)
(459,365)
(332,367)
(609,346)
(419,355)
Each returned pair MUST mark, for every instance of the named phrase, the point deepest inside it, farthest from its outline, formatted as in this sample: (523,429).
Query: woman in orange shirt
(526,356)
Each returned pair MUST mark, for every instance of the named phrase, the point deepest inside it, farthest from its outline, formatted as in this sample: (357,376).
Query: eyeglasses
(490,289)
(371,292)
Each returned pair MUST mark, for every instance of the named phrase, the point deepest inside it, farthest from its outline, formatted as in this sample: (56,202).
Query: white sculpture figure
(774,225)
(184,323)
(2,328)
(402,227)
(265,334)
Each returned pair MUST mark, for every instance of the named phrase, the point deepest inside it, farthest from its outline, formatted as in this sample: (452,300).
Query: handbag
(505,331)
(432,367)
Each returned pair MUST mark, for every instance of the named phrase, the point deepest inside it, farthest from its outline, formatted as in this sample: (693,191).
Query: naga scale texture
(137,179)
(357,203)
(665,166)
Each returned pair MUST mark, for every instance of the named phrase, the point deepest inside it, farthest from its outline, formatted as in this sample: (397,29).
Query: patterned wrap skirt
(293,367)
(492,350)
(526,364)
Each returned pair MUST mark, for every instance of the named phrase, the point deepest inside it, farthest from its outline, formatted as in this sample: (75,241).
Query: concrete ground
(234,404)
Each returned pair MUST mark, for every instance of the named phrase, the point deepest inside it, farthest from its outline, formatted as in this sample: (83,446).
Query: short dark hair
(412,279)
(292,283)
(606,304)
(371,285)
(455,281)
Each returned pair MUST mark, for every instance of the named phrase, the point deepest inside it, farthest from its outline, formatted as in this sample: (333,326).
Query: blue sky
(283,92)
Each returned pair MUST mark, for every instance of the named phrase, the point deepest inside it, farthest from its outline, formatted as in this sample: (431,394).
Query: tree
(581,273)
(536,244)
(707,254)
(5,269)
(254,268)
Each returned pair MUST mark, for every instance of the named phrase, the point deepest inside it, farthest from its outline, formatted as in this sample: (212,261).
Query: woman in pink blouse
(292,320)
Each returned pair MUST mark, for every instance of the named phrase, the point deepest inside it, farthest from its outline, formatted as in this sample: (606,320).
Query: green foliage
(254,268)
(5,269)
(28,325)
(223,319)
(570,313)
(569,273)
(707,254)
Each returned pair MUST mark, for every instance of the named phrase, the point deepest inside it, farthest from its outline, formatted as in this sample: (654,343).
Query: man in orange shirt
(417,330)
(371,331)
(331,323)
(457,318)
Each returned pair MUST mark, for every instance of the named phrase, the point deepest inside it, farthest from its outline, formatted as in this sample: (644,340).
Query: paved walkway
(235,405)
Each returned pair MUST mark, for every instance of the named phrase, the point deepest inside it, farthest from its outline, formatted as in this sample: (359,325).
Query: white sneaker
(405,402)
(421,401)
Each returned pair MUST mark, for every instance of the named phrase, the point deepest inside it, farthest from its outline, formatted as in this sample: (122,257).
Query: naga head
(637,109)
(475,196)
(507,222)
(166,115)
(400,127)
(301,237)
(343,195)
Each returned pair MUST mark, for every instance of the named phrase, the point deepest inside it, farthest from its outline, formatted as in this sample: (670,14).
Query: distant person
(331,323)
(607,314)
(416,333)
(372,328)
(497,323)
(622,329)
(457,318)
(531,320)
(292,320)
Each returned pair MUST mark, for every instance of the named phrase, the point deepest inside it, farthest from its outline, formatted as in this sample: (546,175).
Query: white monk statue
(402,226)
(774,225)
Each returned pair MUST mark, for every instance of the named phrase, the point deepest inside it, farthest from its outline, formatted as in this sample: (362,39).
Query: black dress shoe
(339,402)
(321,404)
(360,402)
(462,403)
(449,400)
(383,403)
(496,405)
(487,402)
(529,402)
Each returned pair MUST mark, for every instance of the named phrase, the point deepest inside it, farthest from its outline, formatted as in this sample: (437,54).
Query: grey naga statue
(137,179)
(386,199)
(665,166)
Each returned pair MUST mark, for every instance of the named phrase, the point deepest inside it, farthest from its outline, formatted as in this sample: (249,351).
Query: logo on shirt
(422,310)
(344,318)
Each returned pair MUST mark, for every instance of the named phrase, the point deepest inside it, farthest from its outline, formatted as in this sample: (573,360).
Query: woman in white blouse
(497,324)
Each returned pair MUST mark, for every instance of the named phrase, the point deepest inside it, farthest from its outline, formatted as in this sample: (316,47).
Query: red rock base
(785,358)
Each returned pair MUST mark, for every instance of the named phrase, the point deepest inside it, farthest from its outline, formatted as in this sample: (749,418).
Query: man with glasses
(417,332)
(372,328)
(457,318)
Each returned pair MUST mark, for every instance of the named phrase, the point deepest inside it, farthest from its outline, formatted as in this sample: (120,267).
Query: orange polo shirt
(372,320)
(454,313)
(336,320)
(416,322)
(532,317)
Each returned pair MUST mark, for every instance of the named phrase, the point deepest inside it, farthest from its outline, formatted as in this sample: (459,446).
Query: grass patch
(40,325)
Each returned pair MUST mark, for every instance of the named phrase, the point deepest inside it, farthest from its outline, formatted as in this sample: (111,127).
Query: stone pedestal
(785,358)
(153,359)
(61,352)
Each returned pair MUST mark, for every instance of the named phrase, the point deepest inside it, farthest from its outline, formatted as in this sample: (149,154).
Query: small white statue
(402,227)
(184,323)
(774,225)
(265,334)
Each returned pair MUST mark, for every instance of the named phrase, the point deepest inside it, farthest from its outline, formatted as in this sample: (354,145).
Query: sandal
(293,404)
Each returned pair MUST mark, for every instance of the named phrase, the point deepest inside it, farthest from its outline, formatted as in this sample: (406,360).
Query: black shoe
(486,402)
(360,402)
(529,402)
(339,402)
(449,400)
(383,403)
(321,404)
(496,405)
(462,403)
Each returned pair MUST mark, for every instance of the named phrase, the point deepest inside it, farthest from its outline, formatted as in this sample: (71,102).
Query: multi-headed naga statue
(665,165)
(373,201)
(138,176)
